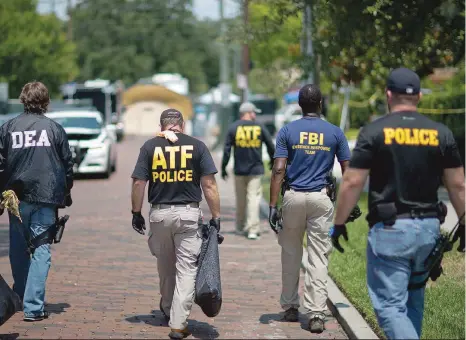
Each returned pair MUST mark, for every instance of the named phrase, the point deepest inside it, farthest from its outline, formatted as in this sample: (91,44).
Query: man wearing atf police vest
(407,155)
(176,166)
(306,150)
(247,137)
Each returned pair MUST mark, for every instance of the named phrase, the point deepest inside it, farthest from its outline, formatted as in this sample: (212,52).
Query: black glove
(68,200)
(215,222)
(274,218)
(355,214)
(335,232)
(224,174)
(139,224)
(459,234)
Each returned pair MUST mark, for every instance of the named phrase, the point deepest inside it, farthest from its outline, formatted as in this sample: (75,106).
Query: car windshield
(78,122)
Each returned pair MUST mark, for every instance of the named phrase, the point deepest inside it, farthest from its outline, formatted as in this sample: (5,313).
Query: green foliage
(128,40)
(364,39)
(33,47)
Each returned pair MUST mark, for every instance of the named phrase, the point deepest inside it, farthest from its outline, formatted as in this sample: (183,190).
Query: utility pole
(245,63)
(52,6)
(307,47)
(69,32)
(223,116)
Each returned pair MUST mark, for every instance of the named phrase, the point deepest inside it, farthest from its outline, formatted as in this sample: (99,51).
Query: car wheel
(108,171)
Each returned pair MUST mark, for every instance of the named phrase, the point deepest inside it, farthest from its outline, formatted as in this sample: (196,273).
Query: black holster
(53,234)
(331,187)
(433,262)
(285,186)
(383,212)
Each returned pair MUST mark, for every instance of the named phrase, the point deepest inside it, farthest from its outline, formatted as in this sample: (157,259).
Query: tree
(134,39)
(33,47)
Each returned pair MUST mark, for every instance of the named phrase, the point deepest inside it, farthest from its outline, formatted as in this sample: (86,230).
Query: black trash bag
(208,291)
(10,302)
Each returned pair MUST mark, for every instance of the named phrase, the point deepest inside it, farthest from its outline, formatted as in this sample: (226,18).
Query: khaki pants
(175,240)
(310,212)
(248,197)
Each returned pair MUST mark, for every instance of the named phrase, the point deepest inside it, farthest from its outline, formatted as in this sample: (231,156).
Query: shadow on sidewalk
(199,330)
(4,239)
(57,308)
(11,336)
(270,318)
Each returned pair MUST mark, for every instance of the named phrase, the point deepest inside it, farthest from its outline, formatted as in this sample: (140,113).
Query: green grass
(445,299)
(351,134)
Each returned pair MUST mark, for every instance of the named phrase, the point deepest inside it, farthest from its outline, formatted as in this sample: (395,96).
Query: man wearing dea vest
(247,137)
(36,164)
(177,166)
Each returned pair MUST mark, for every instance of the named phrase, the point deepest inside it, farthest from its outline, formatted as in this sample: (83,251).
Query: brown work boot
(291,315)
(179,333)
(317,323)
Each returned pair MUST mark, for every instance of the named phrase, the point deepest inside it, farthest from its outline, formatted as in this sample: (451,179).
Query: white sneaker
(253,236)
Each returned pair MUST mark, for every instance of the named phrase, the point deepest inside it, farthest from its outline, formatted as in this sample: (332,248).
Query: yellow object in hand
(11,203)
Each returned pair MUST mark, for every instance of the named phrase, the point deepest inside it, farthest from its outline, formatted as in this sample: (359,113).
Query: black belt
(419,214)
(410,214)
(178,205)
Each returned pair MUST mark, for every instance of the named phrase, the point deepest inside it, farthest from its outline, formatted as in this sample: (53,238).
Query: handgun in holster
(433,262)
(331,187)
(53,234)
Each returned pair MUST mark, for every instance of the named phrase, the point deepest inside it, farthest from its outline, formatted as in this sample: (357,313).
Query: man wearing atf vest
(177,166)
(246,136)
(305,154)
(407,155)
(37,165)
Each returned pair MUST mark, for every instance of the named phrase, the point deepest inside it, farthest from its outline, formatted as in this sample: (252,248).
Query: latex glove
(139,224)
(167,134)
(335,232)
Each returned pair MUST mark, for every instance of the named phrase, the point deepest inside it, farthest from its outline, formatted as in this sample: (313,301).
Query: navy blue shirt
(310,144)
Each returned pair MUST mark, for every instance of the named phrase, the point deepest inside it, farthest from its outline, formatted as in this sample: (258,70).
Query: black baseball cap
(171,113)
(403,80)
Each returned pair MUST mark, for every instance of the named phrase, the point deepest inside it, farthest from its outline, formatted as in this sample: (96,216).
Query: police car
(92,143)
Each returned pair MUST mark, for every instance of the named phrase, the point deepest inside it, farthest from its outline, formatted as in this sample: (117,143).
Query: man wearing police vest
(407,155)
(177,166)
(247,136)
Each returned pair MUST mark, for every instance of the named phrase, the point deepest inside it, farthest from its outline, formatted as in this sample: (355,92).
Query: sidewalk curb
(347,315)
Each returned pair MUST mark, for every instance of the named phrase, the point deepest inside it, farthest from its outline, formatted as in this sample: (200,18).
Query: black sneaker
(317,324)
(167,317)
(179,333)
(44,315)
(291,315)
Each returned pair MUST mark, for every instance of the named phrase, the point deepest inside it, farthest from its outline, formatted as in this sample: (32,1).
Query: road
(103,281)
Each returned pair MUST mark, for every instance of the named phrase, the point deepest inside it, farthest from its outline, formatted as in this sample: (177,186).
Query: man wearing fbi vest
(176,166)
(247,136)
(306,149)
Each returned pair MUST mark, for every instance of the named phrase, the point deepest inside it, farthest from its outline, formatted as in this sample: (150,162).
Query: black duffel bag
(208,291)
(10,302)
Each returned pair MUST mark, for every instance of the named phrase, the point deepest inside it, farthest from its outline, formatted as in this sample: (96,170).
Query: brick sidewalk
(103,282)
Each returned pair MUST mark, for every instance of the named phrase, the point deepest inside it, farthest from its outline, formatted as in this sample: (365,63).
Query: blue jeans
(30,272)
(393,253)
